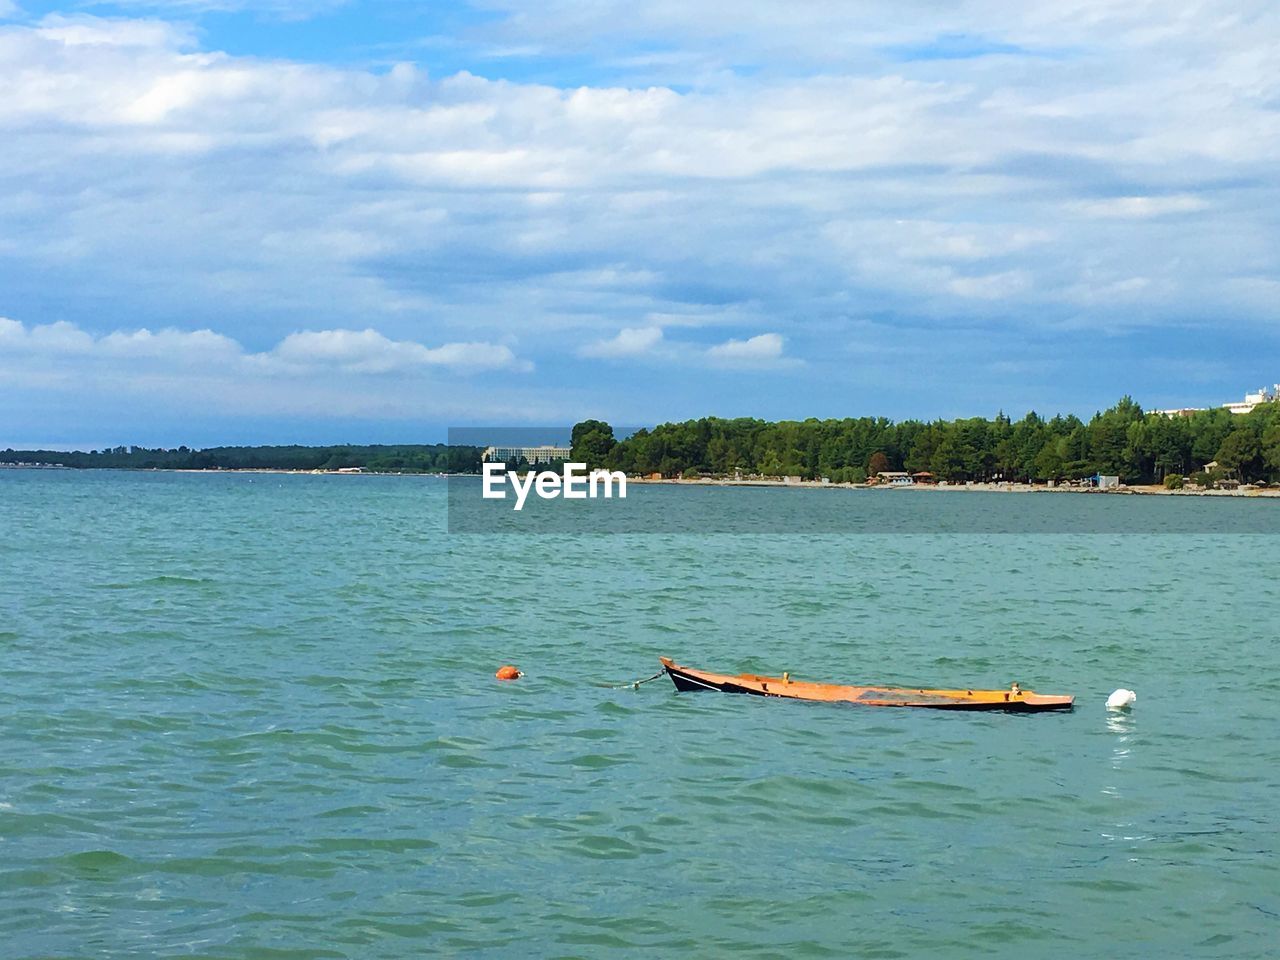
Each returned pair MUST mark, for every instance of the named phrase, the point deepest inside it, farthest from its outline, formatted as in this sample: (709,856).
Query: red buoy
(508,673)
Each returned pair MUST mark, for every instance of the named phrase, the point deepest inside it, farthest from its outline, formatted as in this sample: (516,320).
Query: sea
(255,716)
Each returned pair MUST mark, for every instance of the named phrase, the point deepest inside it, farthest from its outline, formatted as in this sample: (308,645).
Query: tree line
(1122,441)
(379,458)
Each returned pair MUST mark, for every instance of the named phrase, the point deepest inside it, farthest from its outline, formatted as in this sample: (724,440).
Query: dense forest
(1123,441)
(400,458)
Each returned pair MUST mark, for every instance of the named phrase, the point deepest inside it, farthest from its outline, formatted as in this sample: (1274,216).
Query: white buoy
(1121,699)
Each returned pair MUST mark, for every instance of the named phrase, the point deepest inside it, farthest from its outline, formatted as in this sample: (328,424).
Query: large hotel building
(543,454)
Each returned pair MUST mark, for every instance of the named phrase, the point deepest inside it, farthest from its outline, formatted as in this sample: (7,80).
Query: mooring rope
(633,684)
(636,684)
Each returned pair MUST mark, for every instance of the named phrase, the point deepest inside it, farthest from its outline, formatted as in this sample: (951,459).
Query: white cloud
(629,342)
(993,286)
(196,346)
(52,338)
(762,350)
(650,344)
(927,240)
(281,9)
(348,351)
(368,351)
(125,380)
(1103,289)
(1142,207)
(86,31)
(833,31)
(697,315)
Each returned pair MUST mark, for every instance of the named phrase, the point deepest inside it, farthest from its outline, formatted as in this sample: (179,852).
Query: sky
(225,221)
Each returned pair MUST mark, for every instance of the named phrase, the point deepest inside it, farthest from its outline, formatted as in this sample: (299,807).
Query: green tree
(1209,429)
(1271,448)
(949,460)
(1049,463)
(592,441)
(1241,452)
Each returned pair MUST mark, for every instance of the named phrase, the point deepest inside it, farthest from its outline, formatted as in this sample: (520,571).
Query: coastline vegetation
(378,458)
(1123,441)
(1206,447)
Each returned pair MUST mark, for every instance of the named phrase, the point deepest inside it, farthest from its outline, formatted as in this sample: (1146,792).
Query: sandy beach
(1141,490)
(971,487)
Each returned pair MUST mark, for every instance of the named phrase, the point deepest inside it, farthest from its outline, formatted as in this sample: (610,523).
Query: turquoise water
(254,716)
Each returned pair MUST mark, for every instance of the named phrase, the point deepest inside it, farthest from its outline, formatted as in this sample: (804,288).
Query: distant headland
(339,458)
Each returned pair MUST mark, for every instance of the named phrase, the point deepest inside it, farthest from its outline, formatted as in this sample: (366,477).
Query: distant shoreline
(971,487)
(40,467)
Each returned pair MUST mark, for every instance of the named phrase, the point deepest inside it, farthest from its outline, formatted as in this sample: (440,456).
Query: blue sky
(317,220)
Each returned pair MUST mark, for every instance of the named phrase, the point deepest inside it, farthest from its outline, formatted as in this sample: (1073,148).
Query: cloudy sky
(318,220)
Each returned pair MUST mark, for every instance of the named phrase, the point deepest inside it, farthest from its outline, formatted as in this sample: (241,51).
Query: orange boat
(1015,699)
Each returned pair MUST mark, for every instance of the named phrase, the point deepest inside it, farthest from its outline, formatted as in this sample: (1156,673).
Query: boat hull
(691,680)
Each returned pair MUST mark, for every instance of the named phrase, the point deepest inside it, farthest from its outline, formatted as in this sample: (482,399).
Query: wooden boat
(1014,699)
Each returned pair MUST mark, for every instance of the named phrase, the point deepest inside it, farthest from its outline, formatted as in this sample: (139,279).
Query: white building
(543,454)
(1251,400)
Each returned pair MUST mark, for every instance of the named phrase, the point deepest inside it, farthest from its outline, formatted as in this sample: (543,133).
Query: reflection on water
(1121,722)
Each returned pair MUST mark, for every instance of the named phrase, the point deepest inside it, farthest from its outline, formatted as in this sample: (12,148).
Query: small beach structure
(895,478)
